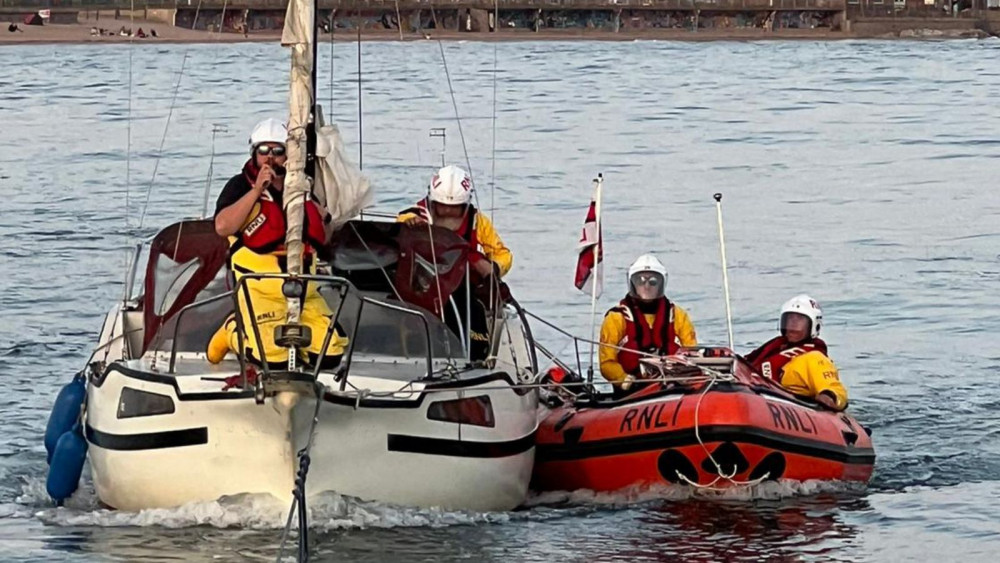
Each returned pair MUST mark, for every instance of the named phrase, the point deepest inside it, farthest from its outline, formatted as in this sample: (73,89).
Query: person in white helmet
(797,358)
(645,322)
(263,175)
(249,212)
(449,205)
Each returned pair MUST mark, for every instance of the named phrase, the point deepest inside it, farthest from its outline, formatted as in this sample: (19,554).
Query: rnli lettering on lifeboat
(790,418)
(649,417)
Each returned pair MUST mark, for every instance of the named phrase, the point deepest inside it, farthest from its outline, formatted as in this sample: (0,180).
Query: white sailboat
(405,419)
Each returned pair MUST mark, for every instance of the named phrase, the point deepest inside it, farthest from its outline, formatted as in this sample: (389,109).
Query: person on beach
(797,358)
(644,323)
(250,213)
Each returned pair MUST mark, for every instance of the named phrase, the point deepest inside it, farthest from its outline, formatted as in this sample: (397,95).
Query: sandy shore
(81,33)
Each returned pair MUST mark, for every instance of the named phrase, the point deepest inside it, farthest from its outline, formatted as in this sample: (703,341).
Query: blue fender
(65,413)
(67,464)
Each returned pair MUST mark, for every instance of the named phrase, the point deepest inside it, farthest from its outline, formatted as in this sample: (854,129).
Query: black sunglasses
(265,150)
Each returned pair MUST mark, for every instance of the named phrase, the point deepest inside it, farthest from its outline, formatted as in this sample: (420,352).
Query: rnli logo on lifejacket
(257,223)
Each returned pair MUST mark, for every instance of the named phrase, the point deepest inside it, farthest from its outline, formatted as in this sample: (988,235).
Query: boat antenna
(440,132)
(216,128)
(333,16)
(361,127)
(314,101)
(725,269)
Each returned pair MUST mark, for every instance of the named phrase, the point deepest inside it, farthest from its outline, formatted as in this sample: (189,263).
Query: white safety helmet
(451,186)
(270,130)
(646,264)
(805,306)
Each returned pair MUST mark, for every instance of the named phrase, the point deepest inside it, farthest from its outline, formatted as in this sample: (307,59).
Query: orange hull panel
(650,438)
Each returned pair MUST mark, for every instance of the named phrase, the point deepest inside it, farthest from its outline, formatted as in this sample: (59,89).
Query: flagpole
(725,270)
(593,286)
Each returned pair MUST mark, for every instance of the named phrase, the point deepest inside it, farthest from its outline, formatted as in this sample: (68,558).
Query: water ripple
(855,171)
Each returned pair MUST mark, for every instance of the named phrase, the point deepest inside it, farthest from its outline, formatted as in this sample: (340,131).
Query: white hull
(211,447)
(398,455)
(206,449)
(416,425)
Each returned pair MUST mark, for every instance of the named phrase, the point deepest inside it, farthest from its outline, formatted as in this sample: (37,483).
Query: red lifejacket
(659,339)
(769,360)
(264,230)
(466,230)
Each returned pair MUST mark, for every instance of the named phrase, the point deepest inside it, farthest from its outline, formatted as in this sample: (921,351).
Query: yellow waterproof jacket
(490,243)
(812,373)
(270,308)
(613,331)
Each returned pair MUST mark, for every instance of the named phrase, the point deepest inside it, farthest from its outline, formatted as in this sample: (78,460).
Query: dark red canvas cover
(183,259)
(411,257)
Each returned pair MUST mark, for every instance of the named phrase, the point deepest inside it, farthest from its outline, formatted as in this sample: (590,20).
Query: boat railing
(352,343)
(386,332)
(717,361)
(393,329)
(180,316)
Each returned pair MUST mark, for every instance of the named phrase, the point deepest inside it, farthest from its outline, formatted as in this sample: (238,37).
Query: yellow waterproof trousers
(269,310)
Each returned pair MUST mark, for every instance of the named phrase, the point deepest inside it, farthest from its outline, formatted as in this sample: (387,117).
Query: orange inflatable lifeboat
(703,422)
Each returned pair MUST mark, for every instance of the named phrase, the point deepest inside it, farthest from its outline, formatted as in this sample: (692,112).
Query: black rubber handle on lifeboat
(850,437)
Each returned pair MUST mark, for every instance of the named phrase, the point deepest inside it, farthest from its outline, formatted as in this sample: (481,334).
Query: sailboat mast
(313,113)
(299,35)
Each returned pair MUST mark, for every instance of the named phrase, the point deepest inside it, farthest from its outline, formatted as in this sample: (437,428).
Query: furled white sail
(299,34)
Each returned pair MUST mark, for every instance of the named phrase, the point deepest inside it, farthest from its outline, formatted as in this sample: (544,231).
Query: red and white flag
(590,263)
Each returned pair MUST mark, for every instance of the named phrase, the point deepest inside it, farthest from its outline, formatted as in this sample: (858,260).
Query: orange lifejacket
(769,360)
(659,339)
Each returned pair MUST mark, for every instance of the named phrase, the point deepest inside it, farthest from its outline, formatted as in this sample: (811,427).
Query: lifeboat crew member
(797,357)
(644,322)
(250,213)
(449,205)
